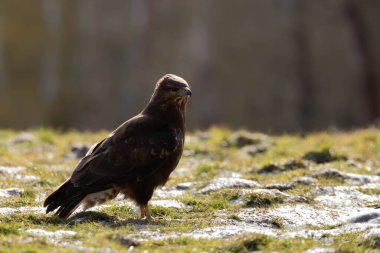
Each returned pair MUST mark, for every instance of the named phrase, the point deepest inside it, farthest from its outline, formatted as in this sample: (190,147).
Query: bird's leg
(144,212)
(147,214)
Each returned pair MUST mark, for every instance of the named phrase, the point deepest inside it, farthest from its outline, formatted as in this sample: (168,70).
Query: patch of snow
(320,250)
(319,234)
(55,234)
(218,232)
(364,217)
(296,216)
(342,196)
(185,185)
(13,173)
(11,192)
(24,137)
(160,193)
(25,209)
(228,183)
(11,170)
(25,178)
(355,179)
(169,204)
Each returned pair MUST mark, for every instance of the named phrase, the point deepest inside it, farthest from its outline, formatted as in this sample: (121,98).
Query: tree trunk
(3,77)
(50,79)
(369,80)
(304,74)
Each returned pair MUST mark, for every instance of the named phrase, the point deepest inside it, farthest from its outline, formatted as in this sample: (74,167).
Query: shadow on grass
(110,221)
(48,220)
(91,216)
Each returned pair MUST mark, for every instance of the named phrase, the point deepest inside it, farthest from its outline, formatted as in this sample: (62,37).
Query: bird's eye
(174,89)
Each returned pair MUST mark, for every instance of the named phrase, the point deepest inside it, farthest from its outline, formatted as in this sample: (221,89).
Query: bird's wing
(133,150)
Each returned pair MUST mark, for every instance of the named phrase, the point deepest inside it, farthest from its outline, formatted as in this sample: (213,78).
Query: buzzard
(134,159)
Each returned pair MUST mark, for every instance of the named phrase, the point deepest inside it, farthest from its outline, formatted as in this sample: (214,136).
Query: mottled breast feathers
(128,152)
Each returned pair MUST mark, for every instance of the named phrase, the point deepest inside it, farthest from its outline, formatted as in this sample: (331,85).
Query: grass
(262,200)
(208,155)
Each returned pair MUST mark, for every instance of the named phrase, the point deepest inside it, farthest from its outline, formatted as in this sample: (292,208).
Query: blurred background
(266,65)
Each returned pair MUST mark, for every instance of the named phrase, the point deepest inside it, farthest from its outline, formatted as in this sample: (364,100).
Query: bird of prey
(134,159)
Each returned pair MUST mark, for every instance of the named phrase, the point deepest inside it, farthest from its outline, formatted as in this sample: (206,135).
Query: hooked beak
(186,92)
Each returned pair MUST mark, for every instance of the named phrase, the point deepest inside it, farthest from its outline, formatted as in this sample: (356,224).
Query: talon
(144,213)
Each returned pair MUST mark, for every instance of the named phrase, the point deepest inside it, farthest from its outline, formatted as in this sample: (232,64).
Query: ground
(233,191)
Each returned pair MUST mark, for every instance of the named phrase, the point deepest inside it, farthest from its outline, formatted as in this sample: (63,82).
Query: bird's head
(171,90)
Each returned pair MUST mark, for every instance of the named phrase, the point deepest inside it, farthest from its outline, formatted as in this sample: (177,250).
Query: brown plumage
(134,159)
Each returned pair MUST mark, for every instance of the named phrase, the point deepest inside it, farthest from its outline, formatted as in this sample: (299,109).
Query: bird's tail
(66,198)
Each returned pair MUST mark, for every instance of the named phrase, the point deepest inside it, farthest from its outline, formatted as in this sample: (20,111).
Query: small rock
(25,178)
(270,168)
(178,190)
(357,179)
(280,187)
(375,221)
(322,156)
(255,149)
(11,192)
(366,217)
(291,165)
(223,183)
(204,136)
(342,197)
(294,164)
(168,204)
(242,139)
(55,234)
(304,181)
(24,209)
(7,210)
(184,186)
(293,184)
(24,137)
(79,150)
(127,241)
(168,193)
(331,174)
(11,170)
(320,250)
(302,214)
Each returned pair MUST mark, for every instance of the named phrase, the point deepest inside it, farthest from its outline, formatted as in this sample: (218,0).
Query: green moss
(197,205)
(278,222)
(257,242)
(322,156)
(262,200)
(6,229)
(206,170)
(234,217)
(47,136)
(370,191)
(290,165)
(352,243)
